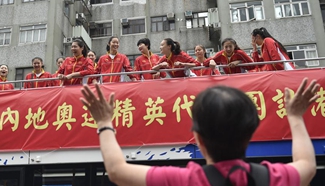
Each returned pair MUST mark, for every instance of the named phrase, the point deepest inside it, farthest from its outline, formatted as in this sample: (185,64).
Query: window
(161,24)
(198,20)
(34,33)
(100,29)
(6,2)
(243,12)
(303,52)
(5,36)
(132,59)
(291,8)
(100,1)
(21,74)
(322,8)
(134,26)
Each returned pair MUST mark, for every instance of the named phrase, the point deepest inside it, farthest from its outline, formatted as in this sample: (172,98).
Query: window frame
(10,2)
(197,18)
(247,13)
(96,4)
(25,71)
(4,36)
(305,50)
(166,24)
(102,22)
(32,30)
(291,4)
(134,19)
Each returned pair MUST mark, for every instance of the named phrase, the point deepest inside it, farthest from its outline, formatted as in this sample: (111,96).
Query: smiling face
(37,65)
(114,44)
(258,39)
(229,48)
(199,52)
(91,56)
(3,70)
(143,48)
(59,62)
(164,48)
(76,49)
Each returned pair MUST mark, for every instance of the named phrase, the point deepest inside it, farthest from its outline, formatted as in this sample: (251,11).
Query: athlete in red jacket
(77,66)
(38,73)
(174,58)
(3,78)
(114,62)
(272,50)
(146,61)
(231,55)
(201,56)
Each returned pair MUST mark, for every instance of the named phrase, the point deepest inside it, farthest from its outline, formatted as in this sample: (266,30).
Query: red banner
(147,113)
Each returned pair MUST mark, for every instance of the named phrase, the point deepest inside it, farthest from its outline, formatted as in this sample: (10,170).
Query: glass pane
(160,26)
(278,12)
(296,9)
(256,3)
(189,23)
(291,48)
(22,37)
(311,54)
(251,13)
(2,39)
(307,46)
(259,13)
(281,1)
(234,16)
(172,26)
(203,14)
(237,5)
(201,22)
(206,21)
(7,38)
(39,26)
(36,35)
(42,35)
(154,27)
(298,55)
(5,2)
(287,10)
(195,23)
(305,10)
(29,36)
(26,28)
(125,31)
(243,16)
(142,29)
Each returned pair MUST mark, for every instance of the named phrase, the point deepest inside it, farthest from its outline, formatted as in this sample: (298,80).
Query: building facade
(45,28)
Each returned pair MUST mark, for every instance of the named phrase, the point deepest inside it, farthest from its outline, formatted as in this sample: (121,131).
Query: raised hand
(298,104)
(101,110)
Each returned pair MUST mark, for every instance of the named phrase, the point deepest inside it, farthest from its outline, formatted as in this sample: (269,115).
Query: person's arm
(303,153)
(177,63)
(244,58)
(117,169)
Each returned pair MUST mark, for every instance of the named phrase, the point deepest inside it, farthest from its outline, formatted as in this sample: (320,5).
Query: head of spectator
(144,46)
(59,61)
(4,69)
(259,34)
(200,52)
(79,48)
(92,55)
(229,46)
(169,46)
(223,134)
(37,63)
(112,45)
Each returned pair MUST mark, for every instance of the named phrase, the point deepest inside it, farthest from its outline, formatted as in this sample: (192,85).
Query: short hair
(145,41)
(226,119)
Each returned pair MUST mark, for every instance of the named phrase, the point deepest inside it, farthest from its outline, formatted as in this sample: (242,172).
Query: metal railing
(85,78)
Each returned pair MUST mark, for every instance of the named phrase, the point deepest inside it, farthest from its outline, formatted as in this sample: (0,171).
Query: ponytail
(175,46)
(81,44)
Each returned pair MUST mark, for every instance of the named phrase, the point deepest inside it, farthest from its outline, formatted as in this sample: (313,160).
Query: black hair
(175,46)
(232,41)
(38,59)
(145,41)
(109,41)
(5,65)
(61,57)
(265,34)
(226,119)
(92,52)
(81,44)
(203,48)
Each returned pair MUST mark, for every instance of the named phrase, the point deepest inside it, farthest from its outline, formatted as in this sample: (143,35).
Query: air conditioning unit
(67,40)
(209,50)
(69,2)
(188,15)
(170,16)
(80,16)
(125,22)
(213,17)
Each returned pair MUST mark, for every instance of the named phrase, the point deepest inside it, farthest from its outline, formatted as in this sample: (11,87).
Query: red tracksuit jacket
(8,86)
(72,64)
(206,72)
(144,62)
(221,59)
(108,65)
(269,50)
(37,84)
(181,57)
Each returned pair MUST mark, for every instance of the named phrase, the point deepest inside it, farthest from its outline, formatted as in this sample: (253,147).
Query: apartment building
(45,28)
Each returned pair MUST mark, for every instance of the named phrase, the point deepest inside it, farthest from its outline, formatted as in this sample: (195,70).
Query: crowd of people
(84,62)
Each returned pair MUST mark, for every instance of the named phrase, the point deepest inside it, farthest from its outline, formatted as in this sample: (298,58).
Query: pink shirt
(193,174)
